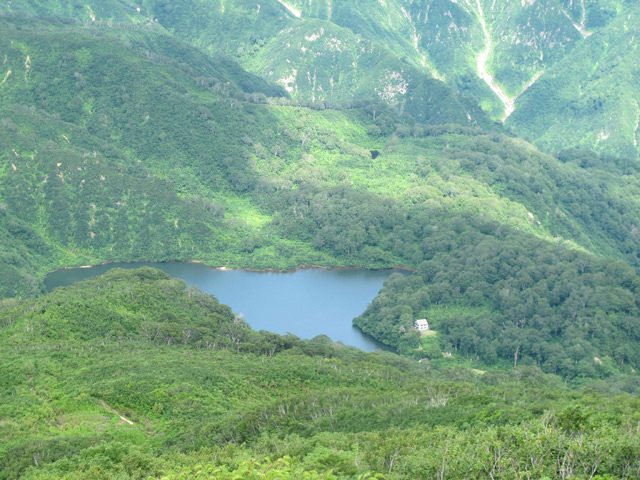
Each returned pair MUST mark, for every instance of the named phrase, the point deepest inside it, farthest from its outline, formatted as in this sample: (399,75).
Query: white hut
(421,324)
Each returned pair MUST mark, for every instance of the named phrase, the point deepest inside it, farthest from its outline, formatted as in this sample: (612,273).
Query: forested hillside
(127,144)
(133,375)
(491,303)
(341,133)
(558,72)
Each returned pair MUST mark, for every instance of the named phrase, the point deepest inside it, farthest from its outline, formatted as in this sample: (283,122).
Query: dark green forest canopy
(491,302)
(132,374)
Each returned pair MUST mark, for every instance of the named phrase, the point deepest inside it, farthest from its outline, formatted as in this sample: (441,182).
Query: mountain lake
(306,302)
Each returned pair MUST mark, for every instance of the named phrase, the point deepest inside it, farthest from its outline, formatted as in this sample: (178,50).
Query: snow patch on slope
(294,11)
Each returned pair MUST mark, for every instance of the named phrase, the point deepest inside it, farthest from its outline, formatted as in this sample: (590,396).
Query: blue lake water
(306,302)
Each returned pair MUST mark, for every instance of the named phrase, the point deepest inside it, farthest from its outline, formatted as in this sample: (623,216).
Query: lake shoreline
(244,269)
(308,301)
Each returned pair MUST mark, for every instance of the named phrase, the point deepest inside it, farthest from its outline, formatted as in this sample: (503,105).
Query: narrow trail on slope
(107,407)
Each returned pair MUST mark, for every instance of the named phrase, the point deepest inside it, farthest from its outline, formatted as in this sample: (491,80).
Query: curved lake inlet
(306,302)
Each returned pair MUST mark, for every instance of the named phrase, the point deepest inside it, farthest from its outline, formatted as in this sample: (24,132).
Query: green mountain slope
(356,139)
(316,55)
(591,98)
(86,195)
(115,149)
(559,72)
(575,55)
(503,299)
(132,375)
(316,60)
(120,151)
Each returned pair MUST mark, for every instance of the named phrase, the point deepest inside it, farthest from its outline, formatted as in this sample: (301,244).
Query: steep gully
(579,26)
(508,102)
(416,39)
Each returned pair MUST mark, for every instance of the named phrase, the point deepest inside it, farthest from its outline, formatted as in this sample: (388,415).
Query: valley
(489,148)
